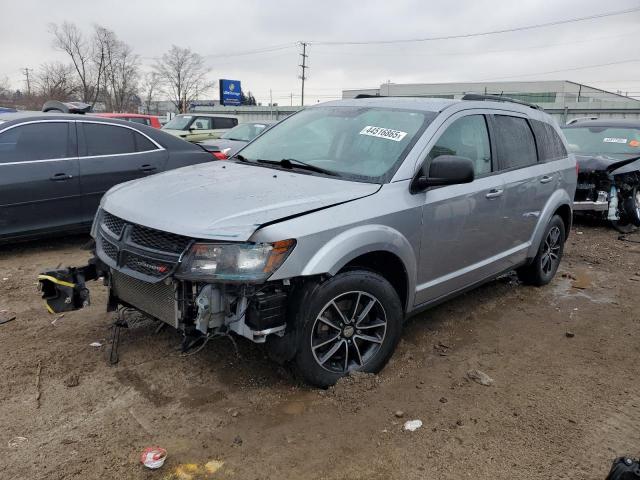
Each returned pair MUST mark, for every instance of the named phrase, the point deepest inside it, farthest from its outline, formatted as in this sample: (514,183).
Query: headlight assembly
(236,262)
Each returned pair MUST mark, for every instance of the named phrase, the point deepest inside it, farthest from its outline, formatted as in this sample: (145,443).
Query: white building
(562,99)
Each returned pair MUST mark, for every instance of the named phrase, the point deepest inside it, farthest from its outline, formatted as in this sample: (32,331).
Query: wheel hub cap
(348,331)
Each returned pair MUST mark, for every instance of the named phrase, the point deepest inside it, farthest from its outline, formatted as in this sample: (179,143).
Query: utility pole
(26,74)
(304,67)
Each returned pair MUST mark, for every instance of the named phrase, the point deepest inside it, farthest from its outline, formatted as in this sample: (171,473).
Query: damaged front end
(609,189)
(198,287)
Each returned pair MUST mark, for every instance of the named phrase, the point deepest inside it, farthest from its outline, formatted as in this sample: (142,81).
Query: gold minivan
(202,126)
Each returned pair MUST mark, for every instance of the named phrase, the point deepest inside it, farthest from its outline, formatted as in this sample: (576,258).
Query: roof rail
(580,119)
(499,98)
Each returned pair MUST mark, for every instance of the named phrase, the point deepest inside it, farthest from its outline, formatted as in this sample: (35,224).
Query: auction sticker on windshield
(614,140)
(380,132)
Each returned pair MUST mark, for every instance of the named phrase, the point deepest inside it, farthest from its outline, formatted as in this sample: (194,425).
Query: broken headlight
(236,262)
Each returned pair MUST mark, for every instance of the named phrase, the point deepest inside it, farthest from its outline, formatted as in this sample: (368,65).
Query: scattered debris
(6,318)
(38,375)
(237,442)
(153,457)
(72,380)
(480,377)
(412,425)
(212,466)
(459,423)
(95,344)
(441,348)
(443,400)
(53,322)
(399,413)
(15,442)
(569,334)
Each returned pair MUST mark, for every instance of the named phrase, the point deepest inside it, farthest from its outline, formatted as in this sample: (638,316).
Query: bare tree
(5,87)
(120,70)
(182,74)
(149,90)
(56,81)
(69,39)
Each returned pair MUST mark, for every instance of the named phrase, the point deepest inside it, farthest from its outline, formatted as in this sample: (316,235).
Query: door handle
(546,179)
(494,193)
(147,168)
(58,177)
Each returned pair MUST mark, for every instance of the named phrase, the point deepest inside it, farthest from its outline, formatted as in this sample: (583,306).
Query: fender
(557,200)
(357,241)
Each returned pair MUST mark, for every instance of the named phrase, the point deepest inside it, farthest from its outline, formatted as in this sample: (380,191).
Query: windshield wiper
(292,163)
(237,156)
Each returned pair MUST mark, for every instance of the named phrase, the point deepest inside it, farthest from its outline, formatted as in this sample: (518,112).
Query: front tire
(352,322)
(546,262)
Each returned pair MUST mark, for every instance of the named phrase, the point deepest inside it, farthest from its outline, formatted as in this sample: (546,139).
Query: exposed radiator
(155,299)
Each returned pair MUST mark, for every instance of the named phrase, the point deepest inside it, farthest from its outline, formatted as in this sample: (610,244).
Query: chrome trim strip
(158,149)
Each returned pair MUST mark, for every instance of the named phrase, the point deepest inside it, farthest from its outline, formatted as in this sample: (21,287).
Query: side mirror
(444,170)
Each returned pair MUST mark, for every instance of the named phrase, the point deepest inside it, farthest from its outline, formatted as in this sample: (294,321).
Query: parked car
(233,140)
(54,168)
(198,127)
(151,120)
(332,227)
(608,155)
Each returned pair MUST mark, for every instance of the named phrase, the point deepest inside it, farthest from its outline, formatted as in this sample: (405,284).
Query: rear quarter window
(550,145)
(221,122)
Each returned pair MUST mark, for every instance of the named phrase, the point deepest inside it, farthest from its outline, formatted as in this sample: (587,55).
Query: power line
(474,53)
(561,70)
(480,34)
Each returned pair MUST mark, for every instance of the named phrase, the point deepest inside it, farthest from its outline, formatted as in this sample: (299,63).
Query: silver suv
(322,235)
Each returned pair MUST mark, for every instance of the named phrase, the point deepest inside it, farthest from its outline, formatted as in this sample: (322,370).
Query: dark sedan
(54,168)
(232,141)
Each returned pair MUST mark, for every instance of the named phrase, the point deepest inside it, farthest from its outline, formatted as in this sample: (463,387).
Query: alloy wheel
(348,332)
(551,251)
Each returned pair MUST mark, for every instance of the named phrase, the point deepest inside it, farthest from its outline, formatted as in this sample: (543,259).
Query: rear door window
(35,141)
(141,120)
(102,139)
(516,146)
(466,137)
(143,144)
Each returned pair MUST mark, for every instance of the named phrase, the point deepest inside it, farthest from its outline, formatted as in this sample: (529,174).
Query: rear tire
(351,322)
(546,262)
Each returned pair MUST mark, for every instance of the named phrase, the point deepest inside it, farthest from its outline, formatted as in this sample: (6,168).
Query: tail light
(219,155)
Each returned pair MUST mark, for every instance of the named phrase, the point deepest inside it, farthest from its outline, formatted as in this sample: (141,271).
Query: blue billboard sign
(230,92)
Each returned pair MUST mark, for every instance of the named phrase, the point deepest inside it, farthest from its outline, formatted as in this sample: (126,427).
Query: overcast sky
(216,28)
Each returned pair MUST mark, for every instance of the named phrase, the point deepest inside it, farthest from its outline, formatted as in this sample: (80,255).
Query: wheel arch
(376,247)
(559,203)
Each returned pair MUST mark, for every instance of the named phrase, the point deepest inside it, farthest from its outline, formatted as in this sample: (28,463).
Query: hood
(226,200)
(607,164)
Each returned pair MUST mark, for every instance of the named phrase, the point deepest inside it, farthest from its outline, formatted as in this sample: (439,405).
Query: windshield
(358,143)
(181,122)
(245,132)
(604,140)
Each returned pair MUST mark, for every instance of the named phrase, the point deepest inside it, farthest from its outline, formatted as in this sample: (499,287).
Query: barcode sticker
(380,132)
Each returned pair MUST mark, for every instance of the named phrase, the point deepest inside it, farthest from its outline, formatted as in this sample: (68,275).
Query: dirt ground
(561,406)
